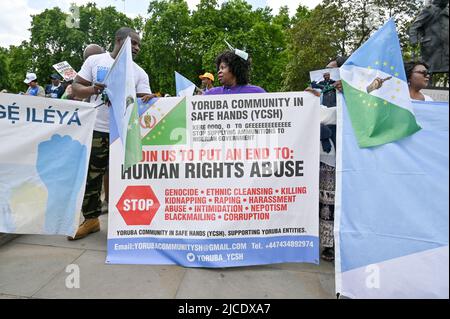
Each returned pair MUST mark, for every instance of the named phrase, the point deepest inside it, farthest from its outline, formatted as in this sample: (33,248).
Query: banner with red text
(225,181)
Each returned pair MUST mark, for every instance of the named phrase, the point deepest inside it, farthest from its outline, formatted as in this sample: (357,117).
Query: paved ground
(34,266)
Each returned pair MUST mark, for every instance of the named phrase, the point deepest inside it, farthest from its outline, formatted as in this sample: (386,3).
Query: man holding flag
(90,82)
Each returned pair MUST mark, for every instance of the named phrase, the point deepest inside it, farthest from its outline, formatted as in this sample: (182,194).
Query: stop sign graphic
(138,205)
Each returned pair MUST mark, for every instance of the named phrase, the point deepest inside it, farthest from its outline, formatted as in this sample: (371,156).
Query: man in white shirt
(88,83)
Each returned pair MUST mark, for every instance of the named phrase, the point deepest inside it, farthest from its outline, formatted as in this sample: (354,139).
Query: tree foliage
(188,42)
(339,27)
(19,61)
(283,49)
(54,40)
(4,72)
(312,44)
(166,45)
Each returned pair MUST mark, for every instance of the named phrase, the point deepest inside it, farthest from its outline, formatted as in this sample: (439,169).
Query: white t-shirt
(94,70)
(426,98)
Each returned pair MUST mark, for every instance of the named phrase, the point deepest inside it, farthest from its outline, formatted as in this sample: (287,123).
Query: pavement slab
(24,269)
(254,282)
(96,241)
(104,281)
(34,266)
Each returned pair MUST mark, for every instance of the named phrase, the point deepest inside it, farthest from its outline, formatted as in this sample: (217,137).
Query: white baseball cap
(30,77)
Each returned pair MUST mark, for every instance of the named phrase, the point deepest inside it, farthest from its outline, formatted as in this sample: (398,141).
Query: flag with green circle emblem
(164,123)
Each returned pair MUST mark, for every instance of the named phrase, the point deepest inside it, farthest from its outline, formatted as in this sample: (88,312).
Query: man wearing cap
(207,81)
(33,88)
(54,90)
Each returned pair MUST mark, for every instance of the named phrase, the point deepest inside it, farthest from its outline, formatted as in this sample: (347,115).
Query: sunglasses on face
(423,72)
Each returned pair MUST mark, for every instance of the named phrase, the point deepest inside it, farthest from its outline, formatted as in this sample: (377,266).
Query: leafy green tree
(263,39)
(100,25)
(283,18)
(301,13)
(267,48)
(339,27)
(177,40)
(312,45)
(19,63)
(53,40)
(4,72)
(360,18)
(166,45)
(206,36)
(283,49)
(404,13)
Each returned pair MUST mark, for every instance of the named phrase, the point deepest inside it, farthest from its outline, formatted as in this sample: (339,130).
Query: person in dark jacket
(56,89)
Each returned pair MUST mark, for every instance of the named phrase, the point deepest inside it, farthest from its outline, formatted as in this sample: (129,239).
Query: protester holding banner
(418,77)
(233,71)
(328,90)
(88,83)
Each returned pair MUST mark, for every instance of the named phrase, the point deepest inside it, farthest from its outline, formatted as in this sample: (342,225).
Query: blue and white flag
(121,91)
(184,86)
(376,90)
(391,219)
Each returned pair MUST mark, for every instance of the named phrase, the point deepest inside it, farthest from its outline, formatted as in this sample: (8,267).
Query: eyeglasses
(423,72)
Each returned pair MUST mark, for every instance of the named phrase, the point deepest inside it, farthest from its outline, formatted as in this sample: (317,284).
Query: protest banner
(227,180)
(391,221)
(44,156)
(65,70)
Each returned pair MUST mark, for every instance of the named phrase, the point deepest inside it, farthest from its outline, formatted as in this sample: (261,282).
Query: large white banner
(44,154)
(225,181)
(391,226)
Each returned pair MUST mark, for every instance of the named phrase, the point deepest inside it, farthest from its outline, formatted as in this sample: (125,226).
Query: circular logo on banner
(190,257)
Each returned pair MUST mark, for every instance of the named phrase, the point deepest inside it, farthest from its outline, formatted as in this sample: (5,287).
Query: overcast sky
(15,17)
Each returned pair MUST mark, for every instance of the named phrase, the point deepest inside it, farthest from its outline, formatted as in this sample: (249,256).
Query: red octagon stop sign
(138,205)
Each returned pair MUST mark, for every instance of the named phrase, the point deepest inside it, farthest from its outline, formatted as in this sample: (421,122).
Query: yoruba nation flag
(376,90)
(184,86)
(121,91)
(164,122)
